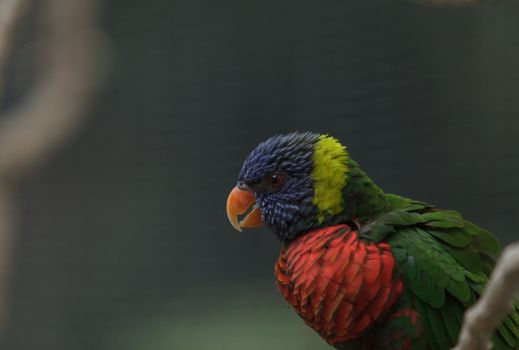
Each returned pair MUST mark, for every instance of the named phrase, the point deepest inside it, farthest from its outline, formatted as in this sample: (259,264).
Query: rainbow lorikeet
(364,269)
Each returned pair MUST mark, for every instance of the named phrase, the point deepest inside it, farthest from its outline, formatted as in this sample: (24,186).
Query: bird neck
(363,199)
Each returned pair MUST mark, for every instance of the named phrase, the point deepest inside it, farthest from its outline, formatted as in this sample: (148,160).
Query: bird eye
(274,182)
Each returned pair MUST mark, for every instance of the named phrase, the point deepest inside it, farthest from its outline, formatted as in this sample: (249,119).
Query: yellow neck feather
(329,175)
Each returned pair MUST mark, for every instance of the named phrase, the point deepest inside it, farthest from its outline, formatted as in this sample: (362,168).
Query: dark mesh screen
(123,242)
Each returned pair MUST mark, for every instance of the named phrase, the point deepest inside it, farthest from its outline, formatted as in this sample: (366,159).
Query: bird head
(291,183)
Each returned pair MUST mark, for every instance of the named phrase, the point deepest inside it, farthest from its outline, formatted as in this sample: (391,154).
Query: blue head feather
(288,211)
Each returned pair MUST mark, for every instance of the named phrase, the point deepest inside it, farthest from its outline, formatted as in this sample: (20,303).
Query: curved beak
(238,203)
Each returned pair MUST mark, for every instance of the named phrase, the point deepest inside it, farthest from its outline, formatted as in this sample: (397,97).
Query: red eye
(275,182)
(276,179)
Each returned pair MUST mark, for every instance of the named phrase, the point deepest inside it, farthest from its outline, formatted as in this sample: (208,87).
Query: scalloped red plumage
(339,284)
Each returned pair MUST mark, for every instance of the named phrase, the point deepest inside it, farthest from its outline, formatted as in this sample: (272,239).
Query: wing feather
(445,262)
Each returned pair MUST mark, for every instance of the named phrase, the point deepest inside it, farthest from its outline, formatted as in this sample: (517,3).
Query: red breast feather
(337,283)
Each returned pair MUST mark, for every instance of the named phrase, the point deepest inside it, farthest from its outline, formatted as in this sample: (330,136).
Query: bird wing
(445,262)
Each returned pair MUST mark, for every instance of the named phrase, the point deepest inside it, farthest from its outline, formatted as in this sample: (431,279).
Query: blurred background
(121,239)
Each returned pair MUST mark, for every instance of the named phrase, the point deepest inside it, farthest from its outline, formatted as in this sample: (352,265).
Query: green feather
(444,262)
(467,257)
(460,291)
(452,315)
(453,237)
(484,240)
(438,327)
(421,308)
(477,278)
(507,335)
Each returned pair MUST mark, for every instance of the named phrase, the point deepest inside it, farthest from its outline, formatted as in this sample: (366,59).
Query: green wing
(445,262)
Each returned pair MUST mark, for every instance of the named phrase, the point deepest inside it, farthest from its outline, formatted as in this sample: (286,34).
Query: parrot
(363,268)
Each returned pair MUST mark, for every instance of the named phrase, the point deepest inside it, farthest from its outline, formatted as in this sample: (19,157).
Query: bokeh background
(122,239)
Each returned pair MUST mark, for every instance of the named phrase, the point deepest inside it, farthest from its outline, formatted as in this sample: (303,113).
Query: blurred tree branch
(70,69)
(483,317)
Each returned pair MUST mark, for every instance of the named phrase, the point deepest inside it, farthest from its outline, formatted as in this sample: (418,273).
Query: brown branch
(70,71)
(483,317)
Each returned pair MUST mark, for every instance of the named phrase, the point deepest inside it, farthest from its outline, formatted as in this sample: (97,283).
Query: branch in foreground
(482,319)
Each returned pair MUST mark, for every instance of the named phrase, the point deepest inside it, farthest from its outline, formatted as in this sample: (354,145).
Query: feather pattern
(344,287)
(442,261)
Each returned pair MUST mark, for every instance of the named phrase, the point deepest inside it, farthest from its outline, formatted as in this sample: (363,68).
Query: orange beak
(238,203)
